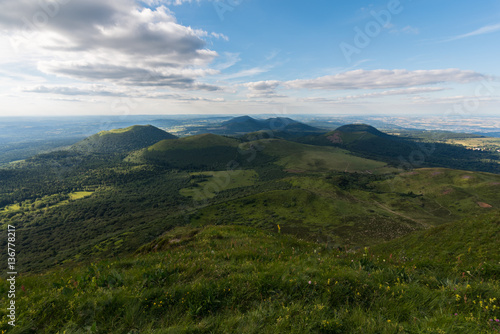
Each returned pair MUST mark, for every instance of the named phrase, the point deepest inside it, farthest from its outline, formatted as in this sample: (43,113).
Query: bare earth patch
(296,171)
(484,205)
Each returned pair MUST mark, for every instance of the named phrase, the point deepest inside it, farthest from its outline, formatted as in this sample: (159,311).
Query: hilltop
(122,140)
(279,125)
(405,153)
(205,151)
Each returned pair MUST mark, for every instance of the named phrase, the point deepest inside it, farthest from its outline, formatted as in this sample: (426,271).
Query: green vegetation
(212,234)
(13,207)
(405,153)
(360,209)
(207,184)
(122,140)
(300,157)
(201,152)
(194,142)
(79,195)
(227,279)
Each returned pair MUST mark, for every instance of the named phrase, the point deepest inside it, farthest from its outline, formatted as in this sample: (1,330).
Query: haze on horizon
(126,57)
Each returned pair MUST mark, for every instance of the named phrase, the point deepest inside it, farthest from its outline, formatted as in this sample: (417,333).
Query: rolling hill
(366,141)
(298,157)
(215,234)
(278,125)
(204,152)
(122,140)
(213,151)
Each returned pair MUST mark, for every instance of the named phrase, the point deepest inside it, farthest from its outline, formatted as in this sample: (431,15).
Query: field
(488,144)
(46,202)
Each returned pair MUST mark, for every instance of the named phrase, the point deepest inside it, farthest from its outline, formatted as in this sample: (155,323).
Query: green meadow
(236,279)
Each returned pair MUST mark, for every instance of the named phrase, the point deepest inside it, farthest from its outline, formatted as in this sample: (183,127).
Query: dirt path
(386,208)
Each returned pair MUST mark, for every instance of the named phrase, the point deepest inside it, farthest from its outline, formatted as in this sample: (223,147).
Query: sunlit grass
(80,194)
(218,181)
(234,279)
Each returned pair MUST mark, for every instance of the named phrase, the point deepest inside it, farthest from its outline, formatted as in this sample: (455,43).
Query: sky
(127,57)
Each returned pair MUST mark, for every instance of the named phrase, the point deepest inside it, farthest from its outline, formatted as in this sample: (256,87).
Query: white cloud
(168,2)
(263,89)
(89,90)
(263,85)
(383,79)
(111,41)
(246,73)
(406,91)
(107,91)
(481,31)
(405,30)
(227,60)
(393,92)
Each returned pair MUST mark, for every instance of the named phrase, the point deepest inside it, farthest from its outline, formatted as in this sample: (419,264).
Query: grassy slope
(447,194)
(194,142)
(122,140)
(213,150)
(337,218)
(213,182)
(473,243)
(227,279)
(205,152)
(301,157)
(320,209)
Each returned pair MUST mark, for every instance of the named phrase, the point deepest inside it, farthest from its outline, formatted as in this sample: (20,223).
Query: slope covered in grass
(300,157)
(360,209)
(366,141)
(202,152)
(442,193)
(122,140)
(473,243)
(230,279)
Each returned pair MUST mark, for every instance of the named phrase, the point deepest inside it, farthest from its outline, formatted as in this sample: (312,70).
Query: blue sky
(397,57)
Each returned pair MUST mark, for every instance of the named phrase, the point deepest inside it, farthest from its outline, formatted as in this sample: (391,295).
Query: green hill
(200,152)
(280,126)
(360,209)
(230,279)
(366,141)
(214,151)
(194,142)
(298,157)
(122,140)
(357,132)
(212,234)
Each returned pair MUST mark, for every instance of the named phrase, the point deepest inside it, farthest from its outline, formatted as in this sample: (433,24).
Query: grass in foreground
(234,279)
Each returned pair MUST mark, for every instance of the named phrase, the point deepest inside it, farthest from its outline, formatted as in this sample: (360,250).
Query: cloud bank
(113,40)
